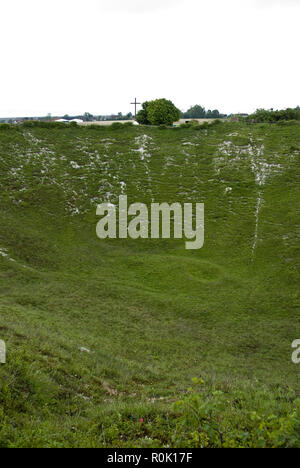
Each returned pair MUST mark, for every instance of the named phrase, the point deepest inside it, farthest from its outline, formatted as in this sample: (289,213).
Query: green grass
(153,315)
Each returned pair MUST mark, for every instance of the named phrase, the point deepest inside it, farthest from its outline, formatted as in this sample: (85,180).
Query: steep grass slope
(102,333)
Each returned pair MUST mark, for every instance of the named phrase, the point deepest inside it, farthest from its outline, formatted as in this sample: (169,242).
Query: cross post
(135,104)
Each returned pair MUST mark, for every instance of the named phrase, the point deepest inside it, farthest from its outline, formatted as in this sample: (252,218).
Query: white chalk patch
(257,211)
(75,165)
(3,253)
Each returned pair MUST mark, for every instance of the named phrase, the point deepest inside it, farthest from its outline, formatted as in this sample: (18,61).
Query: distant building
(237,117)
(112,117)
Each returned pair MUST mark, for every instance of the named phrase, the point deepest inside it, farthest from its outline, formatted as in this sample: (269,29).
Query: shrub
(216,122)
(203,126)
(42,124)
(5,126)
(248,418)
(263,115)
(194,123)
(286,122)
(95,127)
(117,126)
(28,124)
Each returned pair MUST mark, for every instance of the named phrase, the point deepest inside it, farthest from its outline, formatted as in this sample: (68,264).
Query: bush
(28,124)
(263,115)
(205,125)
(251,418)
(194,123)
(286,122)
(5,126)
(117,126)
(95,127)
(216,122)
(42,124)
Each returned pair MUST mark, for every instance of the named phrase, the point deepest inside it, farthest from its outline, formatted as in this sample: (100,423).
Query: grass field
(141,343)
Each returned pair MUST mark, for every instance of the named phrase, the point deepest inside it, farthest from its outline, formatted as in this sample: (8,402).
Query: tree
(87,117)
(162,112)
(142,116)
(215,114)
(199,112)
(195,112)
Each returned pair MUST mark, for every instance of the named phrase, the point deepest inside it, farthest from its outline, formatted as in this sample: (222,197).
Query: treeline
(199,112)
(37,124)
(87,117)
(63,125)
(270,116)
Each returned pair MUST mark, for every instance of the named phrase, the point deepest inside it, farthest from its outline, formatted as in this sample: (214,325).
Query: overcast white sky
(75,56)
